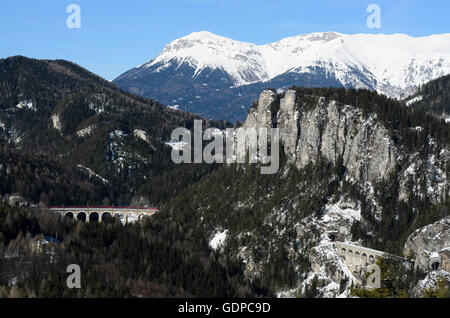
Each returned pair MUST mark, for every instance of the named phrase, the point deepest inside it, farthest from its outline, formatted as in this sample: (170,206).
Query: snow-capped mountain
(201,50)
(219,77)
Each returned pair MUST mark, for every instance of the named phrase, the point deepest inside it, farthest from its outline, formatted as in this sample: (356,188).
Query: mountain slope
(218,77)
(353,164)
(60,112)
(67,137)
(433,98)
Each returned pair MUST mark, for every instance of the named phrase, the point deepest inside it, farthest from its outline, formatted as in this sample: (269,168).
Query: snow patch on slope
(176,145)
(337,218)
(342,209)
(26,104)
(414,100)
(218,240)
(93,174)
(86,131)
(143,135)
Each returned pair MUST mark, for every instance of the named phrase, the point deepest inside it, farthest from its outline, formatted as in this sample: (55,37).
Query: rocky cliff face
(284,223)
(330,268)
(315,127)
(331,130)
(430,282)
(428,243)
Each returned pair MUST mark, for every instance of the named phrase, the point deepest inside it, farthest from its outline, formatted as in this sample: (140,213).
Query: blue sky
(118,35)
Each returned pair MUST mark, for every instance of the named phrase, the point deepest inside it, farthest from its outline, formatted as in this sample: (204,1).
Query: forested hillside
(155,258)
(112,141)
(434,98)
(40,179)
(357,165)
(67,137)
(272,222)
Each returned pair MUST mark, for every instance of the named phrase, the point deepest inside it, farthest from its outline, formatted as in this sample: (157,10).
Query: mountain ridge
(324,37)
(192,68)
(57,113)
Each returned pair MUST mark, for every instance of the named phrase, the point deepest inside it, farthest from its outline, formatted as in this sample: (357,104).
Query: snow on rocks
(327,263)
(291,293)
(326,287)
(434,173)
(414,100)
(26,104)
(119,156)
(337,219)
(176,145)
(117,133)
(93,174)
(347,210)
(174,107)
(218,239)
(86,131)
(429,282)
(431,240)
(142,135)
(56,121)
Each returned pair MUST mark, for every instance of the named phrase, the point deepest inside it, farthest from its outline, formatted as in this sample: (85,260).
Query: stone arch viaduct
(100,214)
(357,256)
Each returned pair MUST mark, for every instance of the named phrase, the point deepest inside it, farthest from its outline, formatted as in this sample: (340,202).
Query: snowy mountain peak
(391,64)
(205,35)
(219,77)
(322,36)
(204,49)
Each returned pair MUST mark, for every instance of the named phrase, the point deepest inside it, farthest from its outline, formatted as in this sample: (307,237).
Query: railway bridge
(357,256)
(102,213)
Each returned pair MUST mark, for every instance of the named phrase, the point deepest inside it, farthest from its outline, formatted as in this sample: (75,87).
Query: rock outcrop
(330,130)
(326,261)
(56,122)
(313,128)
(336,221)
(430,243)
(261,116)
(430,282)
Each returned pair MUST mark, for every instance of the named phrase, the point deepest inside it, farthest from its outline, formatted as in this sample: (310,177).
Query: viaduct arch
(101,214)
(356,256)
